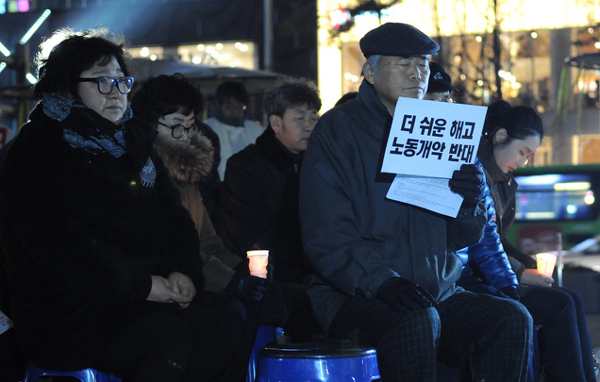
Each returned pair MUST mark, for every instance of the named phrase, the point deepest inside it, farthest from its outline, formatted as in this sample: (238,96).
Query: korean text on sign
(431,138)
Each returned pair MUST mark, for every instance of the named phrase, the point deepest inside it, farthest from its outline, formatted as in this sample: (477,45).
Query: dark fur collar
(187,163)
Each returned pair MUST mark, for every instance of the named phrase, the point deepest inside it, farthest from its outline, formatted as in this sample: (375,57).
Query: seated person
(510,136)
(102,260)
(231,123)
(439,85)
(385,270)
(258,207)
(171,104)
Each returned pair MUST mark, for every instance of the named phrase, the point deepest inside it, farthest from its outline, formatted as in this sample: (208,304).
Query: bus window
(555,199)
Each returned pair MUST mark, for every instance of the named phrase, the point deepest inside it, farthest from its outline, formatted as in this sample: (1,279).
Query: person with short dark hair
(170,104)
(258,208)
(386,271)
(440,84)
(102,259)
(231,122)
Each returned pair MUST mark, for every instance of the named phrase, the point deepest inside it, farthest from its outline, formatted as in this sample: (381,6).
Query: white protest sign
(430,138)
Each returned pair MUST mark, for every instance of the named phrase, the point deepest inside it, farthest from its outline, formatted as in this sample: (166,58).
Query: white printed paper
(425,192)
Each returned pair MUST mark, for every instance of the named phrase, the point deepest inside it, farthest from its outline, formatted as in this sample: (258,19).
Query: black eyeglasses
(107,84)
(178,130)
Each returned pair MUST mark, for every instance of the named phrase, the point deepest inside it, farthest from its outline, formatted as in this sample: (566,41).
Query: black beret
(439,80)
(397,39)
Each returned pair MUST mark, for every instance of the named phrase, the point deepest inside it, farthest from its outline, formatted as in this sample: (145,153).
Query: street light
(4,50)
(21,61)
(35,27)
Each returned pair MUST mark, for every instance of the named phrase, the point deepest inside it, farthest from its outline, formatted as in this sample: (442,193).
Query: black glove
(249,289)
(404,295)
(512,292)
(469,182)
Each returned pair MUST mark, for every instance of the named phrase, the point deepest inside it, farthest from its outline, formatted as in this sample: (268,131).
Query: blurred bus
(553,199)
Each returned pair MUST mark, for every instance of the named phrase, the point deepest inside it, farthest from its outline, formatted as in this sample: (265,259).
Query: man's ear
(368,73)
(275,122)
(500,136)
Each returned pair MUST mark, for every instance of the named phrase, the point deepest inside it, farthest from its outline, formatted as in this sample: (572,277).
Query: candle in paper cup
(258,262)
(545,263)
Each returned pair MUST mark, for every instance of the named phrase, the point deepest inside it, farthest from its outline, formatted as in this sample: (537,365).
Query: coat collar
(276,153)
(186,162)
(485,153)
(367,96)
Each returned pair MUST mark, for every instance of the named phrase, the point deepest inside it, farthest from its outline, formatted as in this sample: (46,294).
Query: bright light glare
(538,180)
(145,52)
(589,198)
(31,78)
(35,27)
(572,186)
(2,66)
(4,50)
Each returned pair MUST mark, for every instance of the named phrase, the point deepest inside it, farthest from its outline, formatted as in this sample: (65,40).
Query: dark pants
(496,332)
(300,325)
(565,340)
(202,343)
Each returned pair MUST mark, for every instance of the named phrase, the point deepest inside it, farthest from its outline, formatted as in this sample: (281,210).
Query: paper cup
(546,263)
(258,262)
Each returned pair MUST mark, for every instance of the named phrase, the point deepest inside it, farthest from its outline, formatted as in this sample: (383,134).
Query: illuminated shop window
(233,53)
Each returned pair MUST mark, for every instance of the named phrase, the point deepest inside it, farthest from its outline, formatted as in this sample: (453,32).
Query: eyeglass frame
(185,129)
(112,83)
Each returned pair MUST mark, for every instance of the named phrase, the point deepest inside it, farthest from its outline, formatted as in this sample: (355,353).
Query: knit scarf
(84,129)
(92,134)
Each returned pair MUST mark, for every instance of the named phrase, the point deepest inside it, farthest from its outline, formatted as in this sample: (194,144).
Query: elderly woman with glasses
(102,259)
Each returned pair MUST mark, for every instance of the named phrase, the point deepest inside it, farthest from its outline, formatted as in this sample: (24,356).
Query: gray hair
(374,62)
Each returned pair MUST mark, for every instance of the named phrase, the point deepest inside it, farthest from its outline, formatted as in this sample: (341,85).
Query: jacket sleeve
(218,260)
(527,262)
(488,254)
(467,228)
(97,238)
(45,213)
(178,236)
(330,191)
(242,208)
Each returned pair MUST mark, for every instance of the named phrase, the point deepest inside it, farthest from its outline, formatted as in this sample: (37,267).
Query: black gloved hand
(512,292)
(469,182)
(249,289)
(404,295)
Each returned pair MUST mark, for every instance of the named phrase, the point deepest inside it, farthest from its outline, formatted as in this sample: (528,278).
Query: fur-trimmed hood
(187,163)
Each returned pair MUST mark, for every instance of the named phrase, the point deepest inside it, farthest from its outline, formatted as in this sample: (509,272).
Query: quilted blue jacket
(488,255)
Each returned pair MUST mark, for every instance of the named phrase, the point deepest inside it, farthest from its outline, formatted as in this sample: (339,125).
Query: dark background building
(293,48)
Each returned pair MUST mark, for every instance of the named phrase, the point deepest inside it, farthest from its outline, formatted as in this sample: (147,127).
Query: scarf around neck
(89,133)
(84,129)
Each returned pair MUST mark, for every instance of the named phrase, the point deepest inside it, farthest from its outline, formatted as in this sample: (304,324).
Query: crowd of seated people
(112,261)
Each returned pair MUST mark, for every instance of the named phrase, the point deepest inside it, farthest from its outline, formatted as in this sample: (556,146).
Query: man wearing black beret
(387,270)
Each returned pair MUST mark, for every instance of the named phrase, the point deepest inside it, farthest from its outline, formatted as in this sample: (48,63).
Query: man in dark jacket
(386,270)
(258,208)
